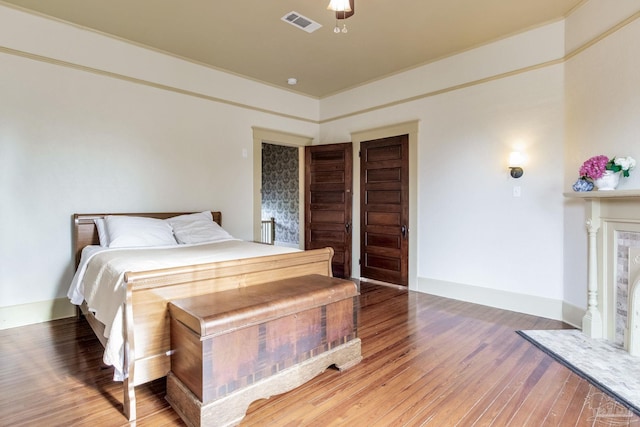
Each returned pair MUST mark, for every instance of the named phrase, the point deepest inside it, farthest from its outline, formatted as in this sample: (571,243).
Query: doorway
(384,209)
(405,128)
(278,138)
(280,207)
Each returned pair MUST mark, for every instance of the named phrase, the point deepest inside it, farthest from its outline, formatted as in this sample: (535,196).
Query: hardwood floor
(427,361)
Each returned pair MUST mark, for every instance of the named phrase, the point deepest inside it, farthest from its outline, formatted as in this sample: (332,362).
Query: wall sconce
(516,159)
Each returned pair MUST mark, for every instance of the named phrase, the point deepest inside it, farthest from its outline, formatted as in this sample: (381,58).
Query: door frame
(411,129)
(277,137)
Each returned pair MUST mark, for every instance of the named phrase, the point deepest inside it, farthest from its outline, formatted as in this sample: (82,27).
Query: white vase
(608,181)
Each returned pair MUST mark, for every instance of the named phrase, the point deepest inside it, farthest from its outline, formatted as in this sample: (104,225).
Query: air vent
(302,22)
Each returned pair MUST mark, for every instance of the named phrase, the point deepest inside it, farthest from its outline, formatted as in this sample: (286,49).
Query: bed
(144,314)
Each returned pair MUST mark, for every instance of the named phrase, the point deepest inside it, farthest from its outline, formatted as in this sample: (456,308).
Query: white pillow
(102,232)
(197,228)
(133,231)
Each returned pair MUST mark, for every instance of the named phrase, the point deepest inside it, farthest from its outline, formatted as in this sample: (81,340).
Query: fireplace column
(592,320)
(607,213)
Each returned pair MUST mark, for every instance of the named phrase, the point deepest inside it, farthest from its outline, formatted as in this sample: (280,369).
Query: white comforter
(99,280)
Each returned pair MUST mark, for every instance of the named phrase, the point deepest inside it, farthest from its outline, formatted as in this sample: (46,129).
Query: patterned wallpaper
(280,191)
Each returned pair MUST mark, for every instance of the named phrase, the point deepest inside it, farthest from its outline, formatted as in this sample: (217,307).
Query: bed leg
(129,400)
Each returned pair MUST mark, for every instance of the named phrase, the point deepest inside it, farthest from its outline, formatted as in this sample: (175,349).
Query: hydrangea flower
(594,167)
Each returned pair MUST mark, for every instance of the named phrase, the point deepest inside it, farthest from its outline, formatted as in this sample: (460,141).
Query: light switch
(517,191)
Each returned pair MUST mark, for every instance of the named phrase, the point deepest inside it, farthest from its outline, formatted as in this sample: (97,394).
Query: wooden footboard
(147,339)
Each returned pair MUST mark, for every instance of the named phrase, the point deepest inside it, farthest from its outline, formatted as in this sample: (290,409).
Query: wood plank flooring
(428,361)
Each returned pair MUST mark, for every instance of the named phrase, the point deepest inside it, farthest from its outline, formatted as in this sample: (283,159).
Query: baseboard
(521,303)
(572,314)
(44,311)
(36,312)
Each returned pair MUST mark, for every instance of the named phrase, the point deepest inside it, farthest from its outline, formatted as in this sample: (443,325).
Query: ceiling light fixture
(343,9)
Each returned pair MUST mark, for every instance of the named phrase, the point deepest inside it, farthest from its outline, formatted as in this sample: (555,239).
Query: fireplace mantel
(615,194)
(608,213)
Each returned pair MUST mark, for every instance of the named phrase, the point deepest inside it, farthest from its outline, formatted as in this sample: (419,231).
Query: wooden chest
(233,347)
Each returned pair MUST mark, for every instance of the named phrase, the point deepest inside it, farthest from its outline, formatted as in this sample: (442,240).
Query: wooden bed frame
(146,317)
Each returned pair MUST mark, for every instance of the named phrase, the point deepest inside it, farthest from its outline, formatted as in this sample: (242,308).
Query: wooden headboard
(85,232)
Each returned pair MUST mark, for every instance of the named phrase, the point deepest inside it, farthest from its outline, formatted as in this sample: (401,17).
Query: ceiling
(247,37)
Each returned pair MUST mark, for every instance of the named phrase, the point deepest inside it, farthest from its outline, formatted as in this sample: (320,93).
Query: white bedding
(99,280)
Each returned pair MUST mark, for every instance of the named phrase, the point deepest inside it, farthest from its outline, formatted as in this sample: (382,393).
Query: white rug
(606,366)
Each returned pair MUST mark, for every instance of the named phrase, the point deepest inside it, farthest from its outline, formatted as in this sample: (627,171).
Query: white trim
(36,312)
(521,303)
(572,314)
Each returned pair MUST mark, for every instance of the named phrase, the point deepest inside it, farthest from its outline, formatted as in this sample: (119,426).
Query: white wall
(161,135)
(472,229)
(603,112)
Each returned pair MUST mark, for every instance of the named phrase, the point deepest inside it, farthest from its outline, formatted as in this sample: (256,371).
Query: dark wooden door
(328,202)
(384,209)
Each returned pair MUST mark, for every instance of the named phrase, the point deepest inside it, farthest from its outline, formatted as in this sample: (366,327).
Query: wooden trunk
(233,347)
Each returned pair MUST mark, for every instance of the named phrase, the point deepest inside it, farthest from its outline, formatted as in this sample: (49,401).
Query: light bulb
(516,159)
(339,6)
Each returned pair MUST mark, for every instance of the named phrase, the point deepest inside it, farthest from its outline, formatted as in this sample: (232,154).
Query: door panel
(328,202)
(384,198)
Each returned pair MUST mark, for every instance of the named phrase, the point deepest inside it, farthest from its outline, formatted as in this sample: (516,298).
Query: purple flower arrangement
(596,166)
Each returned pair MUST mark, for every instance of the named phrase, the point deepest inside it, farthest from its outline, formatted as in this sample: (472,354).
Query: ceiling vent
(302,22)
